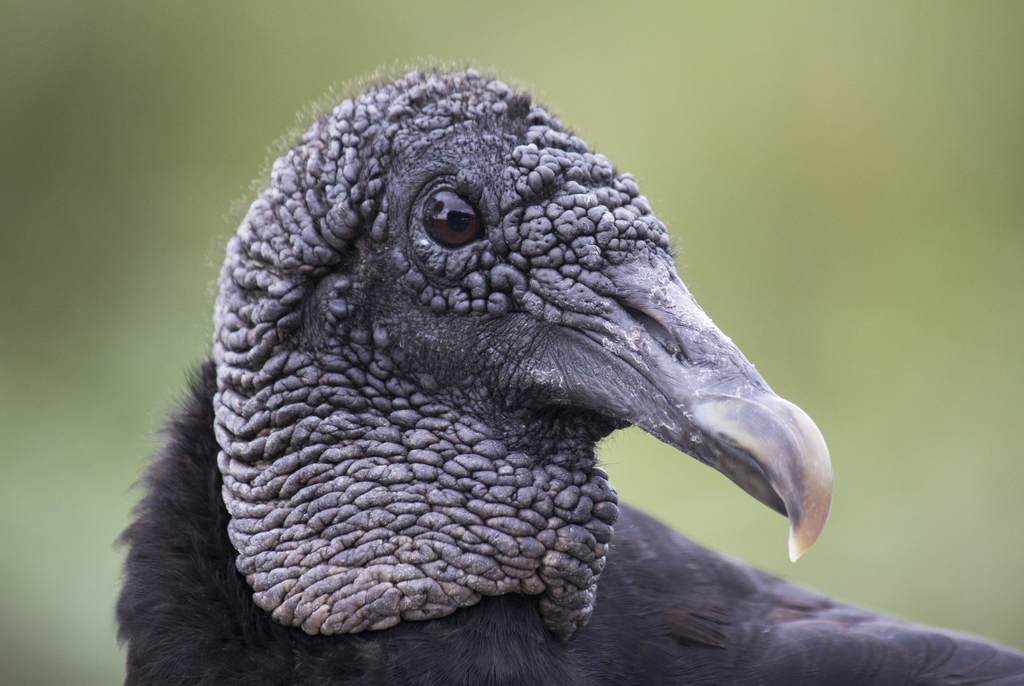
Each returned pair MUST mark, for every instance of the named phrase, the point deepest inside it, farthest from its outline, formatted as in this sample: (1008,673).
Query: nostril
(657,331)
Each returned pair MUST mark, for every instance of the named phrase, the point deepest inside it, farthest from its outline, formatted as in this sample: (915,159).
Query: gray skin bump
(376,467)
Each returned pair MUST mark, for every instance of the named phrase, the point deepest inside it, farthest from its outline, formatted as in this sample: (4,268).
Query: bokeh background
(845,183)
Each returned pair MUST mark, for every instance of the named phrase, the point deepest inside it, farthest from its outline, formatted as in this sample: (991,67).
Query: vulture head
(425,322)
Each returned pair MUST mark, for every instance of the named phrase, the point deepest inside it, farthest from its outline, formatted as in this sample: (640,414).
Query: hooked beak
(675,375)
(773,451)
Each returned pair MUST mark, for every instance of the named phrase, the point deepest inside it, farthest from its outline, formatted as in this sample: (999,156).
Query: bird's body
(386,473)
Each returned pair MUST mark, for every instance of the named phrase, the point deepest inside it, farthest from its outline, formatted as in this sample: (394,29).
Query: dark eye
(451,220)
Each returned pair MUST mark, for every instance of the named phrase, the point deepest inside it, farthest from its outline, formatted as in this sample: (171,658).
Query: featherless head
(425,322)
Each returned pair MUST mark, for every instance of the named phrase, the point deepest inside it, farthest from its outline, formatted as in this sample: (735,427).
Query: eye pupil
(459,221)
(451,220)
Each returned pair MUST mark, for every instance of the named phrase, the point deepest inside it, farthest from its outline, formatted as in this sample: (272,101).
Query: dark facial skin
(407,412)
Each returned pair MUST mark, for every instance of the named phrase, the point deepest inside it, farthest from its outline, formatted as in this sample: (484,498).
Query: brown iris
(451,220)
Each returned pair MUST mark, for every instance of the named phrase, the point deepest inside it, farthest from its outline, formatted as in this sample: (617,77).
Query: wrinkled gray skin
(401,422)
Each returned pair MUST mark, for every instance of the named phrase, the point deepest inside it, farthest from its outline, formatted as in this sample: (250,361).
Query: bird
(385,472)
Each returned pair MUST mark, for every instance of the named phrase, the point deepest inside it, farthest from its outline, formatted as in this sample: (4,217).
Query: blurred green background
(845,184)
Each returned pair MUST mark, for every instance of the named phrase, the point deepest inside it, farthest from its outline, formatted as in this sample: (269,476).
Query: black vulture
(385,474)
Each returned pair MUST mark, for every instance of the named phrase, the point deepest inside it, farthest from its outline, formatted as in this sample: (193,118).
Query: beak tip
(787,465)
(798,544)
(804,531)
(795,550)
(816,496)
